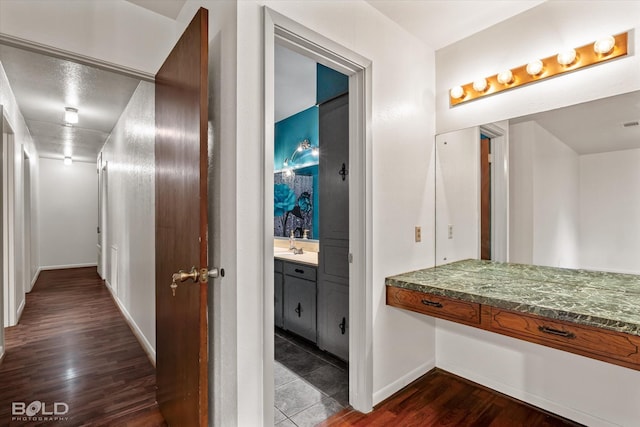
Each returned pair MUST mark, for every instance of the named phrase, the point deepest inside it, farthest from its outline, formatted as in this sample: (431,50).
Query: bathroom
(311,240)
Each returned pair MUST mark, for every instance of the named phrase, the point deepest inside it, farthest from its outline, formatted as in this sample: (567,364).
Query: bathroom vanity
(590,313)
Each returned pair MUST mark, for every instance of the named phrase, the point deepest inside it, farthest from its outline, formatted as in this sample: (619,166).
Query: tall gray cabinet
(333,265)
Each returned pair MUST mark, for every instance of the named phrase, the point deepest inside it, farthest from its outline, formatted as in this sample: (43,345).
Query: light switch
(418,233)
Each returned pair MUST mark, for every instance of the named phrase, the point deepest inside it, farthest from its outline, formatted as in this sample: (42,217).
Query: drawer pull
(298,310)
(558,332)
(298,270)
(431,303)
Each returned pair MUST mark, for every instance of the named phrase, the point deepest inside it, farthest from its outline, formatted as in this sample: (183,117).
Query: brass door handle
(182,275)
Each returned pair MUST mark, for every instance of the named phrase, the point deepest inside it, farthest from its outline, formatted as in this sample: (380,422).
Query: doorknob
(214,273)
(182,275)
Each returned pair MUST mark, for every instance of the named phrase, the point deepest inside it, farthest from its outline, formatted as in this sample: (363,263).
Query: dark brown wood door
(181,228)
(485,198)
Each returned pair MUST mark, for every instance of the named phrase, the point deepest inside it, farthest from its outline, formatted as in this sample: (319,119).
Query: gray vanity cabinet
(333,319)
(299,300)
(278,285)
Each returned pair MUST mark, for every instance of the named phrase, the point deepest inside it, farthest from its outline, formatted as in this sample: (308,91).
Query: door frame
(282,30)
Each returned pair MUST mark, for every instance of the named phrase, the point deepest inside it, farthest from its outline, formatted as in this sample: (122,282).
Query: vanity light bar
(540,69)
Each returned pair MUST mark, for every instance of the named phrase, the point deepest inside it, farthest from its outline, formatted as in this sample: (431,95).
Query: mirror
(559,188)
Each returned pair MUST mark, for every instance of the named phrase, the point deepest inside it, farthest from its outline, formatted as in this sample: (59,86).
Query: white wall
(17,276)
(539,32)
(609,211)
(68,208)
(458,195)
(544,209)
(130,228)
(594,393)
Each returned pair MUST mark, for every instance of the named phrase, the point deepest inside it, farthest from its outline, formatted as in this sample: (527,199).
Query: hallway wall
(68,209)
(130,229)
(13,204)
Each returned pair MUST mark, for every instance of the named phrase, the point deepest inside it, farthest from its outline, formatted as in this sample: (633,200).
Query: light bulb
(567,57)
(604,45)
(480,85)
(505,77)
(457,92)
(534,67)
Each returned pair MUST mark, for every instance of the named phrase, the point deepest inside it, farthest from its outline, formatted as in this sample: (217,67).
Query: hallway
(73,346)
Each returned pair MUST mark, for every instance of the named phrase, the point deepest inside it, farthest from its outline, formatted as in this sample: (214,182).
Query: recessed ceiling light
(604,45)
(67,160)
(71,115)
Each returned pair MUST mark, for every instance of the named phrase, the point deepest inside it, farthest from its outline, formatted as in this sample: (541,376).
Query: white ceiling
(44,86)
(439,23)
(596,126)
(168,8)
(295,82)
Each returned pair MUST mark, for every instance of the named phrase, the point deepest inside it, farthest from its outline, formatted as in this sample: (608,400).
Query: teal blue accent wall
(291,131)
(329,84)
(288,134)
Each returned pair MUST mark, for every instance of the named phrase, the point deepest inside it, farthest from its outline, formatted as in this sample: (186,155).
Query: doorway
(311,239)
(283,31)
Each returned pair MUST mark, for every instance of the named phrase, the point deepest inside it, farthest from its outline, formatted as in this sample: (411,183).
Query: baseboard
(62,267)
(20,310)
(35,278)
(405,380)
(532,399)
(146,346)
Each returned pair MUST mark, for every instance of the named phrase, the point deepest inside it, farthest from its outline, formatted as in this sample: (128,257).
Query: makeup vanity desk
(591,313)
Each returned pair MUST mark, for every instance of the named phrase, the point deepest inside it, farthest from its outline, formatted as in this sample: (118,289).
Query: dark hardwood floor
(443,399)
(73,346)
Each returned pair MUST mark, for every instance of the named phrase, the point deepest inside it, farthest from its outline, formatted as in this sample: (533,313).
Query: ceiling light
(505,77)
(457,92)
(567,57)
(480,85)
(604,45)
(71,115)
(534,67)
(67,160)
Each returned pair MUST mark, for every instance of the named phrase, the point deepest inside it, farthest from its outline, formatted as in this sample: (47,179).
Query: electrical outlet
(450,232)
(418,233)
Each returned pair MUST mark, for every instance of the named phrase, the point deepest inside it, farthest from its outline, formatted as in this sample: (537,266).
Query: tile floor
(310,385)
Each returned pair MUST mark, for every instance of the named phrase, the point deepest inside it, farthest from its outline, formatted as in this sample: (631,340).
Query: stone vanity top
(308,257)
(605,300)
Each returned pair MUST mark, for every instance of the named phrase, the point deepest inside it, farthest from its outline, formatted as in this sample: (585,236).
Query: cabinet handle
(298,270)
(298,310)
(558,332)
(343,172)
(431,303)
(343,325)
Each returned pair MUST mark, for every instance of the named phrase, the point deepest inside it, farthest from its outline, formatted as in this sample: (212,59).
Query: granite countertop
(605,300)
(308,257)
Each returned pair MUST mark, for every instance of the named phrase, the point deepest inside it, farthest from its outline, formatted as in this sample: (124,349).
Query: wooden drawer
(299,270)
(433,305)
(580,339)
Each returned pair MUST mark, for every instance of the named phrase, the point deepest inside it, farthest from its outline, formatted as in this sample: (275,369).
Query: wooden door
(181,228)
(485,198)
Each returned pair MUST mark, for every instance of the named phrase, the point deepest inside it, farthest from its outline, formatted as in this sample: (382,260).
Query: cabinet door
(300,307)
(333,319)
(277,290)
